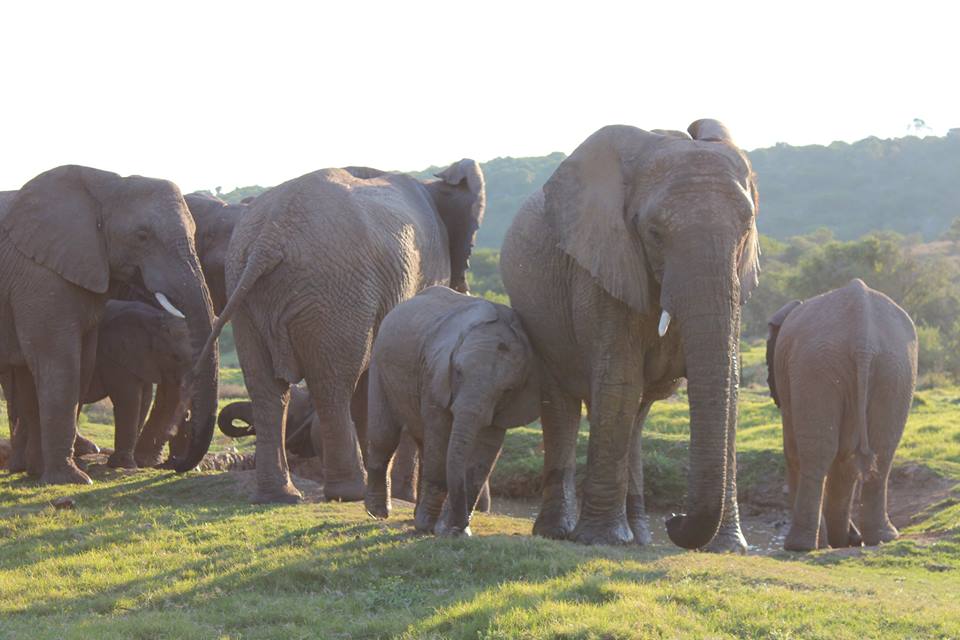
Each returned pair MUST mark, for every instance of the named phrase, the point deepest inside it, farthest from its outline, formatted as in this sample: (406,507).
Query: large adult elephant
(69,236)
(313,267)
(634,229)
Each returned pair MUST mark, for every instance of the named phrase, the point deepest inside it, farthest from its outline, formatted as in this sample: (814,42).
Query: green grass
(151,554)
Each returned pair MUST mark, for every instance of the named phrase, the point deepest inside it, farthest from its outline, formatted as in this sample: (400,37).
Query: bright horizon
(238,93)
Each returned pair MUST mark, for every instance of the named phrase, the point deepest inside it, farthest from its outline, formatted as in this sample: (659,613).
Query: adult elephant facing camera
(313,267)
(70,235)
(634,229)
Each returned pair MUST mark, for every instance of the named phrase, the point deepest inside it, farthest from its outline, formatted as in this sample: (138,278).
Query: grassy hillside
(149,554)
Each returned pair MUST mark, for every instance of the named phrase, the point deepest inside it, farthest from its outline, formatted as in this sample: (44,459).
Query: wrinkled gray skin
(313,267)
(456,371)
(215,220)
(69,237)
(844,371)
(300,417)
(632,224)
(139,346)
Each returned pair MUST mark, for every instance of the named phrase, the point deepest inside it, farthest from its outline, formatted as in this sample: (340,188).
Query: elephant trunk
(707,312)
(467,423)
(242,411)
(198,309)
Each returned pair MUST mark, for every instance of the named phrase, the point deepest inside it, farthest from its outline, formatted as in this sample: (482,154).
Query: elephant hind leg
(841,480)
(886,416)
(815,421)
(405,469)
(384,437)
(560,417)
(269,396)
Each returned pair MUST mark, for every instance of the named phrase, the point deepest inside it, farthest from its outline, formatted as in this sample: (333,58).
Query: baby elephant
(842,368)
(457,371)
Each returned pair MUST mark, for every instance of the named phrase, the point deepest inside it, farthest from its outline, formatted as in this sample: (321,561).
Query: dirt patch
(913,488)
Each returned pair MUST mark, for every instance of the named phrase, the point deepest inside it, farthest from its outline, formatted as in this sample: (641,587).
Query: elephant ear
(56,220)
(585,202)
(447,336)
(773,325)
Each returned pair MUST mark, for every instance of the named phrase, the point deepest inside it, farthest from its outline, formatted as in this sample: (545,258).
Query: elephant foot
(613,530)
(285,494)
(424,522)
(378,507)
(854,538)
(641,530)
(345,491)
(729,539)
(452,532)
(556,523)
(82,447)
(888,533)
(65,474)
(17,463)
(148,459)
(800,542)
(119,460)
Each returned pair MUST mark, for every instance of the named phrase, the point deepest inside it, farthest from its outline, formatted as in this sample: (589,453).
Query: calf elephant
(843,367)
(68,237)
(456,371)
(312,268)
(300,417)
(628,269)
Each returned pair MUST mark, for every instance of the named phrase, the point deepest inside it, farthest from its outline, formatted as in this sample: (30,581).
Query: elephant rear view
(844,367)
(312,269)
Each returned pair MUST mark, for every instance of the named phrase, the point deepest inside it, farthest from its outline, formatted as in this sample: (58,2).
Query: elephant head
(666,223)
(460,198)
(773,326)
(96,229)
(215,220)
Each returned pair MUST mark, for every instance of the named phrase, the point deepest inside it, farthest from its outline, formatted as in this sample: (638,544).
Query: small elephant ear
(56,221)
(585,202)
(709,129)
(465,169)
(447,336)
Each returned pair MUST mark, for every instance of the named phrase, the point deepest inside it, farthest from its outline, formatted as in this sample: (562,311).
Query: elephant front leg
(403,472)
(560,417)
(59,380)
(636,509)
(433,477)
(384,436)
(127,397)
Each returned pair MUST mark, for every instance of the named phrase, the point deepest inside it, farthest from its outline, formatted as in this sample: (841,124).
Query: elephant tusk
(664,323)
(168,306)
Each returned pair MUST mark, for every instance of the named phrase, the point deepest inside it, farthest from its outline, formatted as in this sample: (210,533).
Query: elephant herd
(626,273)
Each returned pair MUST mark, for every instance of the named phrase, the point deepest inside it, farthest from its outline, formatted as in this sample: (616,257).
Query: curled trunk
(242,411)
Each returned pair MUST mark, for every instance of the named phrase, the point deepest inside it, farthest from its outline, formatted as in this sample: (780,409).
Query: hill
(909,185)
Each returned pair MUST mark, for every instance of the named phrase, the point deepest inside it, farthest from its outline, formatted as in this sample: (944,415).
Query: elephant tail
(261,261)
(866,458)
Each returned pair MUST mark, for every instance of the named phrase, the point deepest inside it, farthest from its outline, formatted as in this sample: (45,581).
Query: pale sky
(210,93)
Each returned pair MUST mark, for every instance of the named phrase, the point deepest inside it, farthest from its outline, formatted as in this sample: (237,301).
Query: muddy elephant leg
(815,418)
(19,432)
(384,436)
(334,433)
(433,471)
(57,376)
(148,451)
(841,479)
(729,537)
(270,397)
(28,443)
(886,416)
(636,508)
(127,396)
(403,472)
(560,417)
